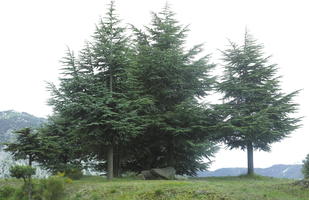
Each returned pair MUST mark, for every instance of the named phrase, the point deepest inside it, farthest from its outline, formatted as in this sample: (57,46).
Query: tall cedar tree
(69,111)
(111,55)
(256,112)
(93,94)
(173,78)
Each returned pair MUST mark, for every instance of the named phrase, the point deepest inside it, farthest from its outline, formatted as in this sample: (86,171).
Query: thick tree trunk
(117,161)
(110,162)
(30,160)
(250,159)
(170,153)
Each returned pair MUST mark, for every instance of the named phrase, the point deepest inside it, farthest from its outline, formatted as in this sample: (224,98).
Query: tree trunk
(110,150)
(110,162)
(170,153)
(30,160)
(30,190)
(117,161)
(250,159)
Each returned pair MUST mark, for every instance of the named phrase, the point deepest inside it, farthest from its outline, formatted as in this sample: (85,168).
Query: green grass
(258,188)
(223,188)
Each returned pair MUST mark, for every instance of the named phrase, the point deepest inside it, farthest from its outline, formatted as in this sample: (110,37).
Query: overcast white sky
(34,35)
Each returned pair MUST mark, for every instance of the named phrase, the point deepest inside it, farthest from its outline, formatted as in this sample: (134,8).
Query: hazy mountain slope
(11,121)
(278,171)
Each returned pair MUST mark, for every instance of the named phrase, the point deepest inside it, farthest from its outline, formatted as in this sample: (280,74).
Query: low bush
(24,172)
(6,192)
(73,173)
(305,168)
(51,188)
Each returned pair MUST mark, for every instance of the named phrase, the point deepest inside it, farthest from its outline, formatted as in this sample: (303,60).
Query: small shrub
(20,194)
(51,188)
(113,191)
(24,172)
(60,174)
(95,196)
(6,192)
(305,168)
(73,173)
(158,192)
(68,180)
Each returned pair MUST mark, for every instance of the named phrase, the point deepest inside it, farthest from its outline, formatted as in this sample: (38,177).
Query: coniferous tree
(110,57)
(111,93)
(255,111)
(26,145)
(94,97)
(173,79)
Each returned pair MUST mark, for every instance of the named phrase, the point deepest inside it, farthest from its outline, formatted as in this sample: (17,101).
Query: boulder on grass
(140,177)
(167,173)
(148,175)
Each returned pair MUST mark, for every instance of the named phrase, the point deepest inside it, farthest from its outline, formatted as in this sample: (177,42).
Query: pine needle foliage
(173,78)
(94,94)
(256,111)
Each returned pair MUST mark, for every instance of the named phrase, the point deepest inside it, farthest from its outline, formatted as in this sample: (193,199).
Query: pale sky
(34,35)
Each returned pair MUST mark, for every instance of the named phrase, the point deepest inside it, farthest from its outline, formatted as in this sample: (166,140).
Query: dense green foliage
(93,97)
(178,128)
(60,148)
(6,192)
(134,107)
(73,173)
(173,78)
(26,146)
(305,168)
(255,111)
(51,188)
(25,173)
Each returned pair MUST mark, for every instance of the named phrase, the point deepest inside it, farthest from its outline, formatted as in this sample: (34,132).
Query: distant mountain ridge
(277,171)
(11,121)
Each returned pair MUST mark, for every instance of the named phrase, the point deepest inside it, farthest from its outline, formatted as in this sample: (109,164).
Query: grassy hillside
(224,188)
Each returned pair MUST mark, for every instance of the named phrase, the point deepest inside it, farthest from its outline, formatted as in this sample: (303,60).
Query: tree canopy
(256,111)
(130,100)
(174,78)
(26,146)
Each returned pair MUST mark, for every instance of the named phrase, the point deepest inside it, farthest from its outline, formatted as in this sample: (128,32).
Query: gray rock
(167,173)
(141,177)
(148,175)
